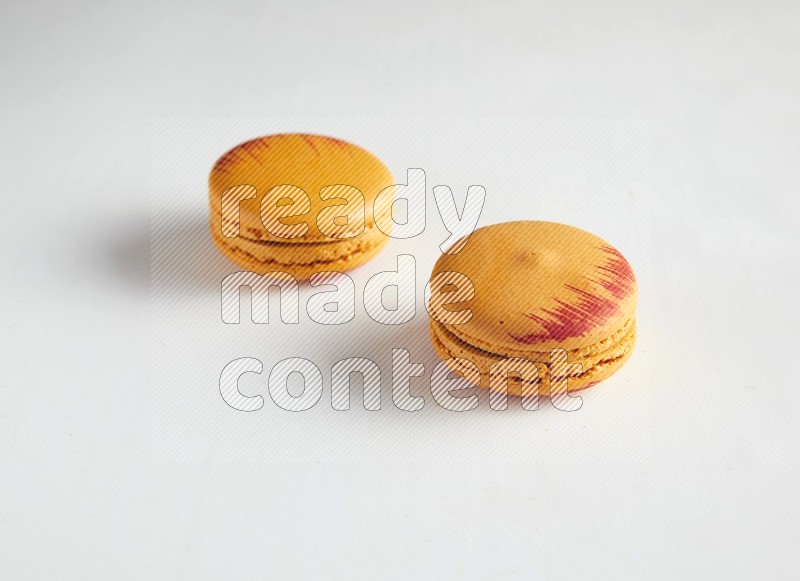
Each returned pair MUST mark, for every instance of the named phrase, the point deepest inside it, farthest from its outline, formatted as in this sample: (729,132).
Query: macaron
(300,204)
(538,287)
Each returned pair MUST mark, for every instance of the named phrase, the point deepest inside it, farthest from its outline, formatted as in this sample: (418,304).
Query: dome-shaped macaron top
(308,162)
(541,285)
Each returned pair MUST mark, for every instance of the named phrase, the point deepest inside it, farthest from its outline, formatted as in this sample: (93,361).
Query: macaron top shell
(541,285)
(308,162)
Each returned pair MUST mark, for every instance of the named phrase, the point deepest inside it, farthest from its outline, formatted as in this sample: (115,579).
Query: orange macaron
(299,203)
(538,289)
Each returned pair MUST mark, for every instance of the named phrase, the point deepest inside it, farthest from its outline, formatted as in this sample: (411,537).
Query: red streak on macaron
(571,319)
(341,144)
(588,310)
(618,278)
(248,149)
(227,160)
(335,141)
(231,157)
(310,143)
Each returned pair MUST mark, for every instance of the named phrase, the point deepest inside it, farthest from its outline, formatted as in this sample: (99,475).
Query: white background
(682,465)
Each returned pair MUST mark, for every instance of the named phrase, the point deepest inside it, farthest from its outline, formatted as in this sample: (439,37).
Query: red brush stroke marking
(619,279)
(310,143)
(224,162)
(588,310)
(335,141)
(255,144)
(341,145)
(230,158)
(248,149)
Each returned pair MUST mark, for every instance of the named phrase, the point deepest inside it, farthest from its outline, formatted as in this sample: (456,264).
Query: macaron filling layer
(289,256)
(593,359)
